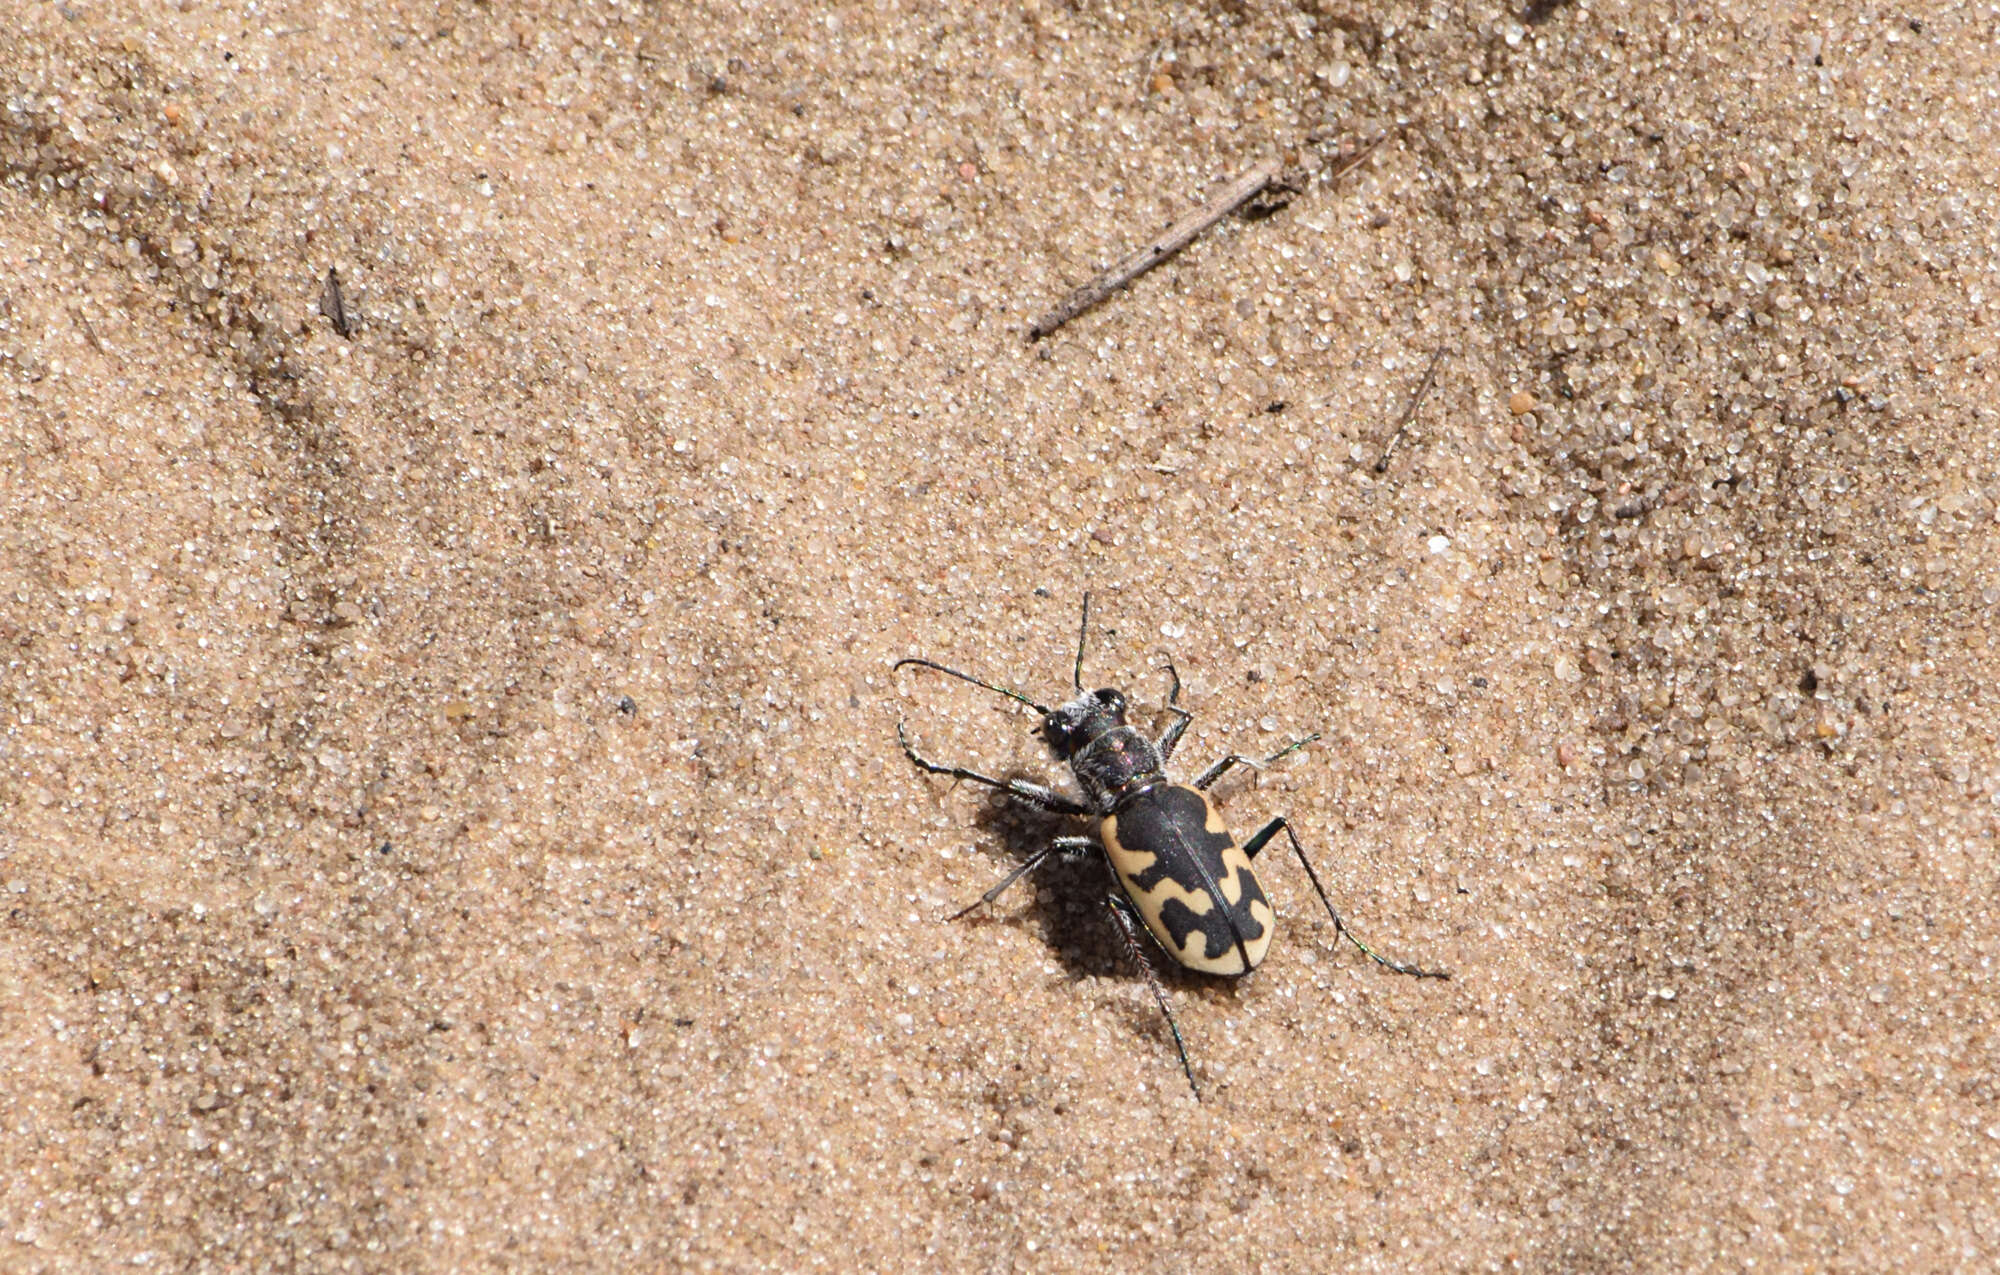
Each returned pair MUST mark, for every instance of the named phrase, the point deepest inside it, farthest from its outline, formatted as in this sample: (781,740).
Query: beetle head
(1083,719)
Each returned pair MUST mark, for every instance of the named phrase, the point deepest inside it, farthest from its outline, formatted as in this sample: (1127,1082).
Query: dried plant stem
(1172,240)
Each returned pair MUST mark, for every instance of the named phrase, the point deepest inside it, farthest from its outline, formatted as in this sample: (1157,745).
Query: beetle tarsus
(1221,768)
(1271,829)
(1182,717)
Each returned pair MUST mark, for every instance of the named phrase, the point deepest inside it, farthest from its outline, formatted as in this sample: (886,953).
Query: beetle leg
(1269,830)
(1082,632)
(1062,846)
(1220,768)
(1034,794)
(1181,716)
(1072,848)
(1121,908)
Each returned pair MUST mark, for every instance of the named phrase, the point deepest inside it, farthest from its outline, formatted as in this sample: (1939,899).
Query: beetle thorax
(1111,760)
(1115,765)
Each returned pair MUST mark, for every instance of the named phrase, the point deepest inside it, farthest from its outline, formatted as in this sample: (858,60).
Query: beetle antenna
(1082,631)
(967,677)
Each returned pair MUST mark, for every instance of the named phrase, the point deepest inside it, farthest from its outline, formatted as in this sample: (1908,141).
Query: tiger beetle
(1180,874)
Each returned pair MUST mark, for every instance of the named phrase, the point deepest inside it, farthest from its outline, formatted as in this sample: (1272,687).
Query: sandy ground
(450,814)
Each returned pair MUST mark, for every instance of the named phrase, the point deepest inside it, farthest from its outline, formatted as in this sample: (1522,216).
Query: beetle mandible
(1181,876)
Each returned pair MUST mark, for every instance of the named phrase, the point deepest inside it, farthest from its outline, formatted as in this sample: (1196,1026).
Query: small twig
(1176,237)
(1430,374)
(333,304)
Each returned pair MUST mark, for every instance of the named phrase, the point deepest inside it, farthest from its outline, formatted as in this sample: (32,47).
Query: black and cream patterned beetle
(1180,874)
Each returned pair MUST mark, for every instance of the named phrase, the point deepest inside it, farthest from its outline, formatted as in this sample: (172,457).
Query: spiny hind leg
(1128,925)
